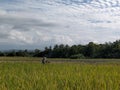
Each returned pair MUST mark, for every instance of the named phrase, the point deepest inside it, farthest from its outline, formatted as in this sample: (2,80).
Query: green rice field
(59,76)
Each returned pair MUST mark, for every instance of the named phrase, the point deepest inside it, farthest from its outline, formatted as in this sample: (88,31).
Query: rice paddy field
(58,76)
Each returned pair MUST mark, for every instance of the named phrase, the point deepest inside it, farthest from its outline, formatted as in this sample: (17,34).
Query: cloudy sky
(39,23)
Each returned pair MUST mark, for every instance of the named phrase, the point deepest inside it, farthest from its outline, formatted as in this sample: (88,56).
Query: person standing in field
(44,60)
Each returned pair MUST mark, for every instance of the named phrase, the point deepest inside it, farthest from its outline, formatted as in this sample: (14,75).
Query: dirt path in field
(68,61)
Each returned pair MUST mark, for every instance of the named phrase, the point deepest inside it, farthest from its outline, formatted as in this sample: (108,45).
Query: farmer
(44,60)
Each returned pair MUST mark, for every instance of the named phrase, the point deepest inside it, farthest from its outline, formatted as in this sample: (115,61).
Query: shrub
(77,56)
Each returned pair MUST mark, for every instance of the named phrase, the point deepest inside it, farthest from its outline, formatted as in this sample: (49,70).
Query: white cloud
(22,37)
(48,22)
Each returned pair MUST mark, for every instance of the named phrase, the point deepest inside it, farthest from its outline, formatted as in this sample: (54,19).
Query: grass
(19,58)
(63,76)
(57,59)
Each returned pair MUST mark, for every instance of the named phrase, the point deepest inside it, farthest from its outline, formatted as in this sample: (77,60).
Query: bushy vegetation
(66,76)
(77,56)
(91,50)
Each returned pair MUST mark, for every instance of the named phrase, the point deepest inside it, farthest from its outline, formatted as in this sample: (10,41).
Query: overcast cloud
(39,23)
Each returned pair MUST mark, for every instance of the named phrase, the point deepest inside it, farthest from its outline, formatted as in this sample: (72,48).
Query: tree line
(90,50)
